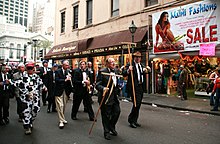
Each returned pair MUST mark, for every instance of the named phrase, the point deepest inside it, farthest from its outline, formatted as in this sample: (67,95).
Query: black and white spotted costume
(30,87)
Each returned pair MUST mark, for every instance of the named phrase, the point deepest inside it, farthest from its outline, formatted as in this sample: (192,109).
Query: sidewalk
(192,104)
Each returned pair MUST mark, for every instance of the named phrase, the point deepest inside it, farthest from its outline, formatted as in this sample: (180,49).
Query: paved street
(159,126)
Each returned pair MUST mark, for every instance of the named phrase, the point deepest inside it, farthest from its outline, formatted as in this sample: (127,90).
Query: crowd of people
(31,85)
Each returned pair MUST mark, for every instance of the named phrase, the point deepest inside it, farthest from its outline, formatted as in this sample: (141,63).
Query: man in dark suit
(44,76)
(110,109)
(138,76)
(81,85)
(62,91)
(50,89)
(91,75)
(4,95)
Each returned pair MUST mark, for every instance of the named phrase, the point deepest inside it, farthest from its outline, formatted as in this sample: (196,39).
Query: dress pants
(61,102)
(134,114)
(110,115)
(77,99)
(4,105)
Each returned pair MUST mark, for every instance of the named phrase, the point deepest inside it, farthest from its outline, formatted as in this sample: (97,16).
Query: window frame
(75,16)
(89,9)
(62,22)
(152,3)
(114,12)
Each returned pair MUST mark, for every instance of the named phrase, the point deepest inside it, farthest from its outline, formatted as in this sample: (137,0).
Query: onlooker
(182,82)
(217,90)
(212,77)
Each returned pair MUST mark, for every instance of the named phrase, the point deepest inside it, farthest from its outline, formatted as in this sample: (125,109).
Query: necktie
(139,68)
(5,87)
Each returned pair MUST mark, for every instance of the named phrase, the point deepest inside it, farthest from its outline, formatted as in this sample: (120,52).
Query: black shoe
(133,125)
(137,124)
(6,120)
(74,118)
(107,136)
(211,104)
(92,119)
(48,110)
(85,110)
(182,99)
(44,104)
(20,120)
(114,132)
(214,109)
(2,122)
(54,110)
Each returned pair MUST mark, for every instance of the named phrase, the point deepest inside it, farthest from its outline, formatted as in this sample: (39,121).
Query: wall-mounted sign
(207,49)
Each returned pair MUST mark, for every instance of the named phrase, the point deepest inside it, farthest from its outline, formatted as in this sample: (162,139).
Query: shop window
(150,2)
(75,16)
(11,51)
(115,7)
(63,22)
(89,12)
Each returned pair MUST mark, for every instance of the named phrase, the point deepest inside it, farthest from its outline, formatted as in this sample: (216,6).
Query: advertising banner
(186,27)
(207,49)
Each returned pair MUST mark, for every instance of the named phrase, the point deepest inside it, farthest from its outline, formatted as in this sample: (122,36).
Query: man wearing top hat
(45,78)
(139,72)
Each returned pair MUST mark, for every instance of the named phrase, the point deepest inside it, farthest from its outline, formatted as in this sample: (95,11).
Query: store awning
(63,50)
(115,39)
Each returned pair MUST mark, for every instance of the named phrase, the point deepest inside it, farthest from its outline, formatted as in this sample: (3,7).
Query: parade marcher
(62,91)
(138,77)
(91,75)
(50,89)
(110,108)
(4,95)
(182,82)
(217,90)
(17,76)
(44,76)
(81,86)
(30,86)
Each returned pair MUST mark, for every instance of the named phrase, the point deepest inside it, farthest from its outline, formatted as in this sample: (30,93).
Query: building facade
(43,18)
(96,29)
(16,11)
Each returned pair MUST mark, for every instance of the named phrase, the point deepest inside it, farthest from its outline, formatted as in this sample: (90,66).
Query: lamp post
(35,49)
(132,29)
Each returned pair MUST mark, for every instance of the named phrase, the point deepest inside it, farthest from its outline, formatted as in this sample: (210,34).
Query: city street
(159,126)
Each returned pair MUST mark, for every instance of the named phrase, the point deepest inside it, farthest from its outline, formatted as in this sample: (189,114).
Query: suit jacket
(78,78)
(9,89)
(135,76)
(51,83)
(45,78)
(101,82)
(61,85)
(91,75)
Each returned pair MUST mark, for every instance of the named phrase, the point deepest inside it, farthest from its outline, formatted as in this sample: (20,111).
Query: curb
(181,108)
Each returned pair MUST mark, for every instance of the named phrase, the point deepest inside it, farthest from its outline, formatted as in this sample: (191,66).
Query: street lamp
(132,29)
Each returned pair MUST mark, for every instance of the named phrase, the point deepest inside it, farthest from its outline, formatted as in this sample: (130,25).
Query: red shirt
(217,83)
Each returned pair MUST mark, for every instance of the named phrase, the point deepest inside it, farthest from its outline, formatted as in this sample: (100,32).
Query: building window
(11,51)
(18,51)
(150,2)
(21,21)
(115,7)
(16,19)
(25,22)
(89,12)
(63,22)
(75,16)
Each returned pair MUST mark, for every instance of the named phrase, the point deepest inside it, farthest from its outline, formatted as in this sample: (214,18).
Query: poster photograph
(185,28)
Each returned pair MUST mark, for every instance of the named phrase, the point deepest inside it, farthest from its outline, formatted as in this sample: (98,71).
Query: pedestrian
(81,86)
(17,76)
(138,77)
(62,91)
(110,108)
(50,89)
(212,77)
(45,78)
(4,95)
(182,82)
(217,90)
(30,87)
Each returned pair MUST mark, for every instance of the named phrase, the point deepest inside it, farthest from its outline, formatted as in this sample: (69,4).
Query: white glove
(105,89)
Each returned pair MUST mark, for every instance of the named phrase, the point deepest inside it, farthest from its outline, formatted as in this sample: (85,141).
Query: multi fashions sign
(187,27)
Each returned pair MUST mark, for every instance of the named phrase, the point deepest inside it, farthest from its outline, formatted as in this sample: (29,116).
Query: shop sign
(186,27)
(63,49)
(207,49)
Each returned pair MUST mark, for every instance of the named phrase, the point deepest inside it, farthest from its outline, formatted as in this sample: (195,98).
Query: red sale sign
(207,49)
